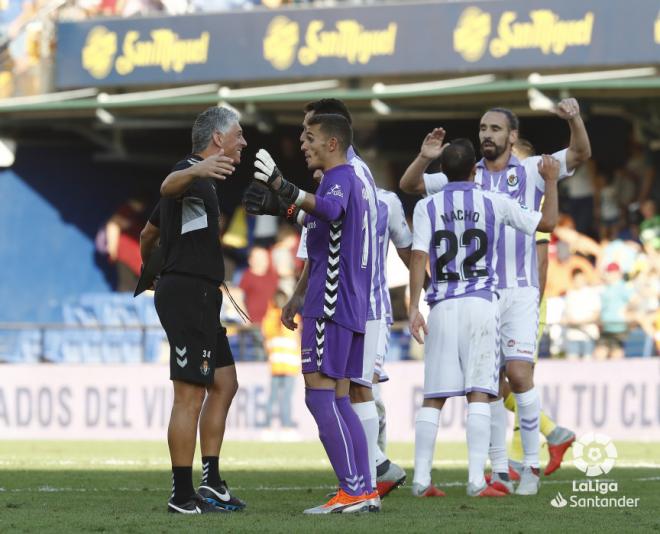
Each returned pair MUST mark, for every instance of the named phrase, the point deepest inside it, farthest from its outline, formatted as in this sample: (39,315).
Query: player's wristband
(290,193)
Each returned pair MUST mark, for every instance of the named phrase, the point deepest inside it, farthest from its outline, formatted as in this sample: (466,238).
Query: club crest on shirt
(512,180)
(335,190)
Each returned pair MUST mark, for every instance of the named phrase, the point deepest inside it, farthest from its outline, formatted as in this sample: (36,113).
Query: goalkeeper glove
(259,199)
(267,172)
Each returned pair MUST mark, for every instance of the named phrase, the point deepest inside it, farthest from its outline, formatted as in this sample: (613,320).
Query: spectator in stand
(283,349)
(258,283)
(580,317)
(580,190)
(614,299)
(649,229)
(620,252)
(607,207)
(122,239)
(561,264)
(284,258)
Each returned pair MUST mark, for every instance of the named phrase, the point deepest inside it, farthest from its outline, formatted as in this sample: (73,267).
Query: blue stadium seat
(20,346)
(638,344)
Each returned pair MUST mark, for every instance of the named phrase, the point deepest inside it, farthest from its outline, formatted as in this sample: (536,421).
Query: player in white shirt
(517,265)
(392,226)
(457,231)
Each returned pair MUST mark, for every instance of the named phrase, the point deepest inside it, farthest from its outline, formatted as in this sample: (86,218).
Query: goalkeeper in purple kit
(335,307)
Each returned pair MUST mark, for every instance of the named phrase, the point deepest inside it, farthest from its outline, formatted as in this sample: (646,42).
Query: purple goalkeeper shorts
(331,349)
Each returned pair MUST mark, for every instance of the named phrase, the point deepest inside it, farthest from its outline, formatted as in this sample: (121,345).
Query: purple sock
(335,437)
(360,449)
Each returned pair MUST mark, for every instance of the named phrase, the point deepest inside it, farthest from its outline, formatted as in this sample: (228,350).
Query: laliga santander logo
(594,454)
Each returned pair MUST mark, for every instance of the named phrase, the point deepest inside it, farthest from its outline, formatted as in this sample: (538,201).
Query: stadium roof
(469,94)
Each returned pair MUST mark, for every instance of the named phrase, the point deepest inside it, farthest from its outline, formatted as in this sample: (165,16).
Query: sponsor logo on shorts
(306,353)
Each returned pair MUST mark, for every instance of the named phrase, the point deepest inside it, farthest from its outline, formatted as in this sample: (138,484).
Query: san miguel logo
(348,40)
(164,49)
(99,52)
(544,31)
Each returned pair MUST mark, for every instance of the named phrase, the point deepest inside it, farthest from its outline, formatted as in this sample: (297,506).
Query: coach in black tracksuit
(188,301)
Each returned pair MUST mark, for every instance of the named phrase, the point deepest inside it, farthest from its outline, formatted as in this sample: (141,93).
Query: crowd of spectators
(603,285)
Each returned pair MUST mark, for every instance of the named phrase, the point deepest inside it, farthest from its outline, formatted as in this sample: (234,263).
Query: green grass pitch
(123,487)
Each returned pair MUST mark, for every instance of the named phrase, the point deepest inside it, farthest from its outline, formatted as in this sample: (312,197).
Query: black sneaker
(220,497)
(196,505)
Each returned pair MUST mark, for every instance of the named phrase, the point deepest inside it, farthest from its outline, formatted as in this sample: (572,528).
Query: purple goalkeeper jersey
(338,251)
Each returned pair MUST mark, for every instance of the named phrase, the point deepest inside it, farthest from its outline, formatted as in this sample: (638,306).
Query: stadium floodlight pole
(48,97)
(539,101)
(380,107)
(226,92)
(105,98)
(540,79)
(382,89)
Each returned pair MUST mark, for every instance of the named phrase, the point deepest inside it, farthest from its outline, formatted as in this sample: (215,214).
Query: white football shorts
(383,347)
(461,351)
(372,332)
(519,323)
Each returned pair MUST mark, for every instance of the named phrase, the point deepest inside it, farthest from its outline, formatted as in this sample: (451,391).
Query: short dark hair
(458,159)
(334,125)
(332,106)
(511,117)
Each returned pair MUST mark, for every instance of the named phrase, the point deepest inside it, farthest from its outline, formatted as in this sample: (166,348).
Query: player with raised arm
(559,438)
(517,272)
(457,232)
(335,307)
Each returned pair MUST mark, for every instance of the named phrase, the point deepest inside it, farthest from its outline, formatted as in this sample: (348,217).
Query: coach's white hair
(213,119)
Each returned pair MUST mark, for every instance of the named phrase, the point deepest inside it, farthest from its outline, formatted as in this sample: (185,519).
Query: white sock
(497,451)
(381,457)
(529,413)
(426,430)
(478,436)
(368,415)
(382,423)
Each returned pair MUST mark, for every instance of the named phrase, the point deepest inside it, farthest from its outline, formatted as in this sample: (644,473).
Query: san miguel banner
(358,41)
(125,402)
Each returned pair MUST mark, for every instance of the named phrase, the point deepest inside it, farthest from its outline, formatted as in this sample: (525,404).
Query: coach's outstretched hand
(416,322)
(217,166)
